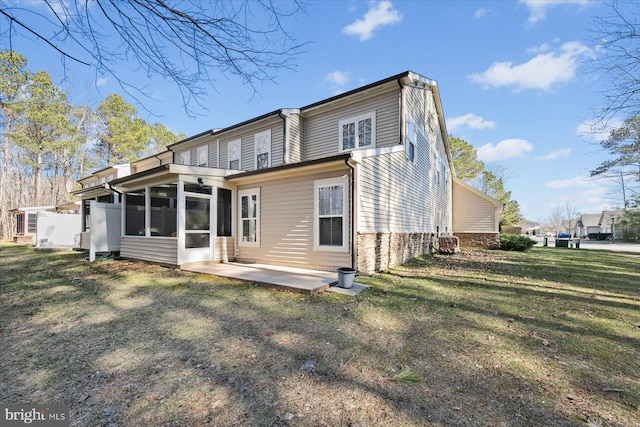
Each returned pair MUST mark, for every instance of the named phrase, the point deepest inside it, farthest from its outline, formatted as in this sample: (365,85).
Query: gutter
(285,142)
(354,243)
(402,121)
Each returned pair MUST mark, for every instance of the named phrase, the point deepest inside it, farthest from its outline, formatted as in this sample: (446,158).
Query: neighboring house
(589,224)
(363,179)
(47,225)
(476,216)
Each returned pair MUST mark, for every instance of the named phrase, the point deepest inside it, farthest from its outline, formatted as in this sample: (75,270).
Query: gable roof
(590,220)
(497,203)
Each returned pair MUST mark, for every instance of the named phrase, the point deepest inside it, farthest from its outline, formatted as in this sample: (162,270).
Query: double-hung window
(202,155)
(331,219)
(31,222)
(233,150)
(357,132)
(185,158)
(250,217)
(263,149)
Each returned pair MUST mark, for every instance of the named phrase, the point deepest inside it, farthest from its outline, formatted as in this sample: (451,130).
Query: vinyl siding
(321,132)
(420,107)
(473,213)
(295,138)
(223,246)
(247,146)
(400,196)
(287,224)
(163,250)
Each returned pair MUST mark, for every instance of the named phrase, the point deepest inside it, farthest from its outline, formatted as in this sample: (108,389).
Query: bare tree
(191,43)
(572,217)
(556,220)
(616,37)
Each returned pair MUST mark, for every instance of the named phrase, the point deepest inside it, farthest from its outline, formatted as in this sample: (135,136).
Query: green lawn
(545,338)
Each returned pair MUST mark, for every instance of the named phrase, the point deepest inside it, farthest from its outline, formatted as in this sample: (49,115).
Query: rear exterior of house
(362,180)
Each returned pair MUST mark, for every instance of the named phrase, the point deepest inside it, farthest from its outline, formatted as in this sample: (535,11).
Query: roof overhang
(288,169)
(95,191)
(167,173)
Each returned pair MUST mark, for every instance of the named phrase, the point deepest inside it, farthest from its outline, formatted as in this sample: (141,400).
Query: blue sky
(514,80)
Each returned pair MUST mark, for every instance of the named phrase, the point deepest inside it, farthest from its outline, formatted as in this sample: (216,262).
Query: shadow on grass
(154,346)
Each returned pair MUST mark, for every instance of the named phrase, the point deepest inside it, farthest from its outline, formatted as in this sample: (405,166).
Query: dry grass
(550,337)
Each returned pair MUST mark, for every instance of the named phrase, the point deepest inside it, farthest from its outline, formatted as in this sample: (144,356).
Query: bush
(599,236)
(513,242)
(510,229)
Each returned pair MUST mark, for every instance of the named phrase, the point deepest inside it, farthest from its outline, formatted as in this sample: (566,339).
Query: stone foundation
(381,251)
(479,240)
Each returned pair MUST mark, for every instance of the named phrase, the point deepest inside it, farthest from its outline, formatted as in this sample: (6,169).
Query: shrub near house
(513,242)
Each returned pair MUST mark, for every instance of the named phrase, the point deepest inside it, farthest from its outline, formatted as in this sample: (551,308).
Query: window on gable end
(263,149)
(357,132)
(202,156)
(233,149)
(410,143)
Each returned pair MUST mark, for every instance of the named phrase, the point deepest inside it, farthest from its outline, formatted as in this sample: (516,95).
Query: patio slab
(287,278)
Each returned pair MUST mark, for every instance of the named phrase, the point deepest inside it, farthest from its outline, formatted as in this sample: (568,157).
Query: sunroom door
(196,225)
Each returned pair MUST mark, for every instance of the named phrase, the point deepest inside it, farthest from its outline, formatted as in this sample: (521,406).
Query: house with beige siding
(363,179)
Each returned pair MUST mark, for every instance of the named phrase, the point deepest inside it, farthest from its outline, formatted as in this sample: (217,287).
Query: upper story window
(233,149)
(358,132)
(202,156)
(410,144)
(263,149)
(185,158)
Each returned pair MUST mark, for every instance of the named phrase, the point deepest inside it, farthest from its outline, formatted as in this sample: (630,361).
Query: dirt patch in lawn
(480,338)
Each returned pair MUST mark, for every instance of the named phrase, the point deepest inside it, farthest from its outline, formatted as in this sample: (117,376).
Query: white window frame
(248,193)
(410,141)
(370,115)
(330,182)
(185,158)
(202,156)
(263,146)
(235,145)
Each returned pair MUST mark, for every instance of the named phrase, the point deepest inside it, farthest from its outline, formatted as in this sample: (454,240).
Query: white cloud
(596,131)
(379,15)
(541,72)
(505,149)
(571,183)
(556,154)
(538,8)
(481,13)
(336,80)
(101,81)
(471,121)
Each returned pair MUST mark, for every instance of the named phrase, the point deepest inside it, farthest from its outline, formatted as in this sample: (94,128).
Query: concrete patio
(287,278)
